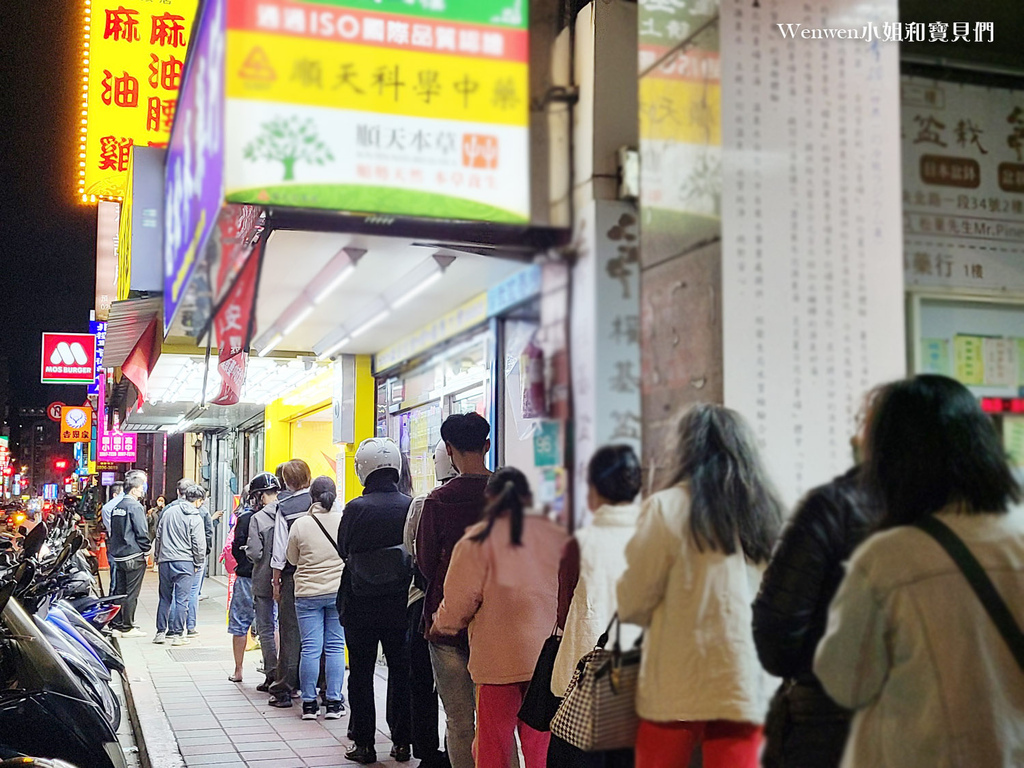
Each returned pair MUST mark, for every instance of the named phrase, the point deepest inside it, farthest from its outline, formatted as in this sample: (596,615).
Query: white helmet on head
(443,467)
(377,453)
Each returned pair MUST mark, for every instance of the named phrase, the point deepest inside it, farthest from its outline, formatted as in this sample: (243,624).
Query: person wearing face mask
(180,552)
(128,544)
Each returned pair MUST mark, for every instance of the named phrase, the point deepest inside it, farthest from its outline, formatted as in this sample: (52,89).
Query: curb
(158,747)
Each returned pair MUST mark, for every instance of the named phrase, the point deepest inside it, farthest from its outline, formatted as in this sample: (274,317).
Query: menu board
(811,238)
(963,185)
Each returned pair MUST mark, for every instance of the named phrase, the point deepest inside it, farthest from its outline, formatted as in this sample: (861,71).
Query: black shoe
(362,755)
(281,702)
(401,754)
(264,687)
(335,709)
(310,709)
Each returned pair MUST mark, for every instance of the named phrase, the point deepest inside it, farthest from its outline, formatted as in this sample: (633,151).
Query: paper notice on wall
(935,356)
(1000,362)
(1013,438)
(812,274)
(969,358)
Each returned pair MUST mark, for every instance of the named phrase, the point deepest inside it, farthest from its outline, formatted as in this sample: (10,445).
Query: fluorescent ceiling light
(370,324)
(401,301)
(330,351)
(335,283)
(271,344)
(303,314)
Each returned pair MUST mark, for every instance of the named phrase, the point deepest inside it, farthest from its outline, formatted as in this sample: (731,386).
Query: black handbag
(540,704)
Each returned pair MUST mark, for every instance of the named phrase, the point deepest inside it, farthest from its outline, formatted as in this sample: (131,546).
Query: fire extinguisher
(531,366)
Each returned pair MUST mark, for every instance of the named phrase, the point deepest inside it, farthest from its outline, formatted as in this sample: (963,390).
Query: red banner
(232,327)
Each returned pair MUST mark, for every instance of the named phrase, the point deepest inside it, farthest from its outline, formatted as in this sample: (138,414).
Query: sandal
(234,679)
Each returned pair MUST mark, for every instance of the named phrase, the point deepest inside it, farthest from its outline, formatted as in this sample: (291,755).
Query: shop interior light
(297,320)
(271,344)
(334,349)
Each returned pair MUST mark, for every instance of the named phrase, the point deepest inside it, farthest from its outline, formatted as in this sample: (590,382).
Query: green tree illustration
(287,141)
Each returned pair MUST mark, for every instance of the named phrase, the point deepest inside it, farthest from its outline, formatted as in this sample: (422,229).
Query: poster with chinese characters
(133,52)
(680,124)
(813,304)
(413,107)
(963,185)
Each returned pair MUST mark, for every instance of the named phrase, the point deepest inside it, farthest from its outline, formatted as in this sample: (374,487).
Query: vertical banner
(812,235)
(232,325)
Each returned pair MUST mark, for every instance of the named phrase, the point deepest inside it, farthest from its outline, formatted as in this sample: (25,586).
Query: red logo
(257,67)
(68,358)
(480,151)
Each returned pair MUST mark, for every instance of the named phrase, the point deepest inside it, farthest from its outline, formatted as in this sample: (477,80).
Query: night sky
(48,242)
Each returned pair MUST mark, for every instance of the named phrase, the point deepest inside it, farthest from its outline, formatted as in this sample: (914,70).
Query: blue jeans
(193,598)
(322,635)
(176,579)
(241,613)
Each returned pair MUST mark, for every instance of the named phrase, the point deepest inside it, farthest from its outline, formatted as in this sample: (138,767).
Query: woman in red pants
(694,566)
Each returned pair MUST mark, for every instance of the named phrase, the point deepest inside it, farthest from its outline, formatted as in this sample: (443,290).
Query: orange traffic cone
(101,551)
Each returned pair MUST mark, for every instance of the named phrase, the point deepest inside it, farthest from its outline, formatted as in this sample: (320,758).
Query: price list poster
(812,266)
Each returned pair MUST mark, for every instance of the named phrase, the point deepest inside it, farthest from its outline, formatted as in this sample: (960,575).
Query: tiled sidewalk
(218,723)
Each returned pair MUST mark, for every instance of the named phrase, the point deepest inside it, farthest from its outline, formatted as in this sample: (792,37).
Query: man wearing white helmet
(426,742)
(373,597)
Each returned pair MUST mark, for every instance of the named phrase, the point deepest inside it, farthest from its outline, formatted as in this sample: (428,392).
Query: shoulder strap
(321,525)
(980,582)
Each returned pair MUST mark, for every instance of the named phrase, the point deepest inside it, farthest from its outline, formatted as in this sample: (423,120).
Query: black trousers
(128,582)
(426,741)
(289,641)
(563,755)
(362,660)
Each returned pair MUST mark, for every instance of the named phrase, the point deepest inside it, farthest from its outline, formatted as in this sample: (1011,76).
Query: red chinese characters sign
(133,57)
(232,324)
(68,358)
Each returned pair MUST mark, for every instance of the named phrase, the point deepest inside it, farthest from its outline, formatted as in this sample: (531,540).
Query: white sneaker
(180,640)
(133,632)
(160,638)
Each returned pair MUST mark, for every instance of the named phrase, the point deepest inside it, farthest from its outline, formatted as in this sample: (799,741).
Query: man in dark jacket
(447,512)
(240,611)
(805,727)
(263,492)
(127,546)
(373,597)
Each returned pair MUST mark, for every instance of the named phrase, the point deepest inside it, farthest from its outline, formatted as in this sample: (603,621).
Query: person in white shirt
(694,567)
(909,644)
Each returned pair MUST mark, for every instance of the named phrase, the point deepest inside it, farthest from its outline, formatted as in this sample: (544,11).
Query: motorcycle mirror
(65,555)
(76,542)
(23,575)
(34,540)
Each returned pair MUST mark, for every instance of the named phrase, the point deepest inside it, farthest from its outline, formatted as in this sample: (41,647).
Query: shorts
(241,613)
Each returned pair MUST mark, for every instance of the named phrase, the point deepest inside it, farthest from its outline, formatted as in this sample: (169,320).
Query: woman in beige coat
(694,567)
(909,645)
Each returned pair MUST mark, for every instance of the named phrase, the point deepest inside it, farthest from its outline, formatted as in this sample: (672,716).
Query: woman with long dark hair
(503,585)
(693,570)
(910,646)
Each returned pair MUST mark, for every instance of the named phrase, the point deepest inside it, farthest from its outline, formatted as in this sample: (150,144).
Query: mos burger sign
(68,358)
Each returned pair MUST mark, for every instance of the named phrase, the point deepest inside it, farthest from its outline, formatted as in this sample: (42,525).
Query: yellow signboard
(75,423)
(133,53)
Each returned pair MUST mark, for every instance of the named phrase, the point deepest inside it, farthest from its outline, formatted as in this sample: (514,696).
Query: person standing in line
(502,584)
(117,493)
(152,518)
(128,546)
(373,597)
(197,584)
(263,491)
(694,567)
(592,562)
(179,549)
(934,680)
(241,613)
(426,741)
(290,507)
(447,512)
(313,550)
(805,727)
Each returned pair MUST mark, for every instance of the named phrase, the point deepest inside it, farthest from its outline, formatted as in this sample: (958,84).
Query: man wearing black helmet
(259,549)
(240,611)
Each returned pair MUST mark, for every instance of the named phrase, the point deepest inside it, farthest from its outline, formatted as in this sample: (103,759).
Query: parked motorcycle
(55,666)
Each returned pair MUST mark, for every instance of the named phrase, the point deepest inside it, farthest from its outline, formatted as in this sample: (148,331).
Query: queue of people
(859,603)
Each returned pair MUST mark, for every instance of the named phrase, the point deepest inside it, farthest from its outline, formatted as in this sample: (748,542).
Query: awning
(128,323)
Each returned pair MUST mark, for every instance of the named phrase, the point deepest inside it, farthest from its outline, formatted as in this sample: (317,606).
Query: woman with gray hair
(693,569)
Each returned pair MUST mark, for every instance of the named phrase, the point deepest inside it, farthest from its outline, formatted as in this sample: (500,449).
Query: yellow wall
(286,438)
